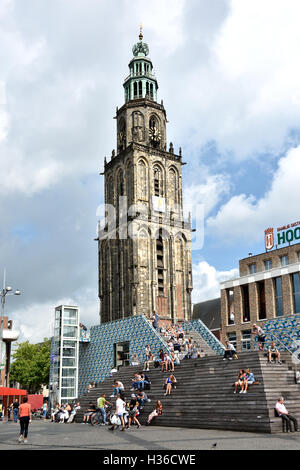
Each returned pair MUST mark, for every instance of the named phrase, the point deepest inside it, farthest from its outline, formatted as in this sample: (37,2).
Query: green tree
(31,365)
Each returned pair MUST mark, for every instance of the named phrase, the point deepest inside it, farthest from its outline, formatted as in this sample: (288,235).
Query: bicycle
(97,417)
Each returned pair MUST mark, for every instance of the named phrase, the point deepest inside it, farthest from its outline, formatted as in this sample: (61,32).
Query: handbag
(115,420)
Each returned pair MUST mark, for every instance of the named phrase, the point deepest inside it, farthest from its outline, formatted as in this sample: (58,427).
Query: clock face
(154,133)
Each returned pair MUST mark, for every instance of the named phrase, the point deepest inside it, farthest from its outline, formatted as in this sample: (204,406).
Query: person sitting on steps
(169,384)
(156,412)
(240,381)
(273,353)
(248,380)
(285,416)
(228,351)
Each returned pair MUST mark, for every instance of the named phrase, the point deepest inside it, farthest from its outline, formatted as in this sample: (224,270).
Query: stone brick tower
(145,246)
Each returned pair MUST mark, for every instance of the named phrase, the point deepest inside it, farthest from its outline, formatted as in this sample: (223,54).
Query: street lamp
(3,293)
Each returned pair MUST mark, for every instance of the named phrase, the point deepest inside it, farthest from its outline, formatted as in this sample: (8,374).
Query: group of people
(244,379)
(178,343)
(64,413)
(126,412)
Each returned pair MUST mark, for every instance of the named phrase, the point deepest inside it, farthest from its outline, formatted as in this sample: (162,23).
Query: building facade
(65,355)
(268,288)
(9,335)
(144,246)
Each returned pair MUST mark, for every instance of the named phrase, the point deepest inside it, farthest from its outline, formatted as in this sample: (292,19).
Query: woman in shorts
(156,412)
(240,381)
(133,409)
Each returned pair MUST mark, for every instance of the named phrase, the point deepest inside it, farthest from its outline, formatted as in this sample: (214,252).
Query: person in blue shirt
(248,380)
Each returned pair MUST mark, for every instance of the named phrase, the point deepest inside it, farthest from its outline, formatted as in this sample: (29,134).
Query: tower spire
(141,82)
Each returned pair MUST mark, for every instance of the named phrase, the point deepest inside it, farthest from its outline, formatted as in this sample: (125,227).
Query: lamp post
(6,290)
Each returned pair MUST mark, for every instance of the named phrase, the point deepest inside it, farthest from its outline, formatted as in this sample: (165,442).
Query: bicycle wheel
(93,420)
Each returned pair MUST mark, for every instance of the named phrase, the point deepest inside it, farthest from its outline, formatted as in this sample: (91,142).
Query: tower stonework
(145,245)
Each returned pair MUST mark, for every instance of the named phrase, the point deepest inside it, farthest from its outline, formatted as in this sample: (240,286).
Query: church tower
(145,245)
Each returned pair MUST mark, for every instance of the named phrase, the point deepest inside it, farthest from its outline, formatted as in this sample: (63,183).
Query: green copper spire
(141,83)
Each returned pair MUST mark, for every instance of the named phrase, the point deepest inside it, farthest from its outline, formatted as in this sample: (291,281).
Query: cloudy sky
(229,75)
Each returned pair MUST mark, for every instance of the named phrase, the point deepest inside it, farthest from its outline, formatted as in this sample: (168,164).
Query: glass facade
(246,303)
(246,340)
(268,264)
(65,353)
(296,292)
(278,296)
(232,338)
(252,268)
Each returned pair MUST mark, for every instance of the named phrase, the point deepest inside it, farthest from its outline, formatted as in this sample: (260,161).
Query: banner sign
(159,204)
(285,234)
(2,355)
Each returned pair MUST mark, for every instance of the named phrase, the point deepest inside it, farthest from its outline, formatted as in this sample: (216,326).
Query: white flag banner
(2,355)
(159,204)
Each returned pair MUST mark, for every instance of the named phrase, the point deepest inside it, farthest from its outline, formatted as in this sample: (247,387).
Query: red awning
(4,391)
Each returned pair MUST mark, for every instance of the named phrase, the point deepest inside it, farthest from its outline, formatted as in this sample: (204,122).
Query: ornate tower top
(140,49)
(141,83)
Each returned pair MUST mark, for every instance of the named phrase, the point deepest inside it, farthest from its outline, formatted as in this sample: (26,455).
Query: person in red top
(25,418)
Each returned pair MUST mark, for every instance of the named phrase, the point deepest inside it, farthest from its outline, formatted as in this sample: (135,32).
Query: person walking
(45,410)
(120,411)
(16,410)
(101,403)
(25,418)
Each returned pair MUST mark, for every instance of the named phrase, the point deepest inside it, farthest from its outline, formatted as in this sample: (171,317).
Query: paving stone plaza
(51,436)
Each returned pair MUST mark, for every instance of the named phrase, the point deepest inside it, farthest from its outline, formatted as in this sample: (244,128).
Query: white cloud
(36,321)
(207,279)
(209,192)
(3,113)
(244,91)
(245,217)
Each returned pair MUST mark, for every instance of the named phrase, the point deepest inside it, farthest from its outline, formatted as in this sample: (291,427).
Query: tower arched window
(135,89)
(147,88)
(140,89)
(158,181)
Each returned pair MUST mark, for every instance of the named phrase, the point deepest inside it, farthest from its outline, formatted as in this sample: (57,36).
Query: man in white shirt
(120,411)
(286,417)
(228,351)
(118,388)
(261,337)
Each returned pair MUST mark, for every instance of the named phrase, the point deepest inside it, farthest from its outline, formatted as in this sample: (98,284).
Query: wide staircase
(202,346)
(204,395)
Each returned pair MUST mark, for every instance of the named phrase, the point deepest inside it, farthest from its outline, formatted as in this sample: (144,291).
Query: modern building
(65,355)
(145,245)
(268,288)
(9,335)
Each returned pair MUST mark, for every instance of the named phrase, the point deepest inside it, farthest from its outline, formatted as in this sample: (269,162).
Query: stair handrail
(156,332)
(285,347)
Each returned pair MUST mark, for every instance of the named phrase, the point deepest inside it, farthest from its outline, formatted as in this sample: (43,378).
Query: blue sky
(229,77)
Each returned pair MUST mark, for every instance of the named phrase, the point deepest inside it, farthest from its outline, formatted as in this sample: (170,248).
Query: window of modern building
(252,268)
(268,264)
(230,306)
(246,340)
(298,255)
(261,294)
(232,338)
(284,260)
(246,303)
(296,292)
(278,296)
